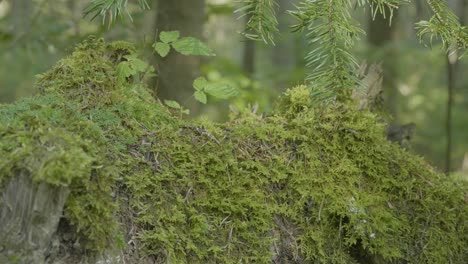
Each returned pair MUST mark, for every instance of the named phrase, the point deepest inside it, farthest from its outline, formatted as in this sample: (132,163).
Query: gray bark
(381,34)
(21,12)
(176,72)
(452,76)
(284,54)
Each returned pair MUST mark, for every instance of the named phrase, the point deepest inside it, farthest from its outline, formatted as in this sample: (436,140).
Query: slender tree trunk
(76,14)
(176,72)
(284,52)
(381,34)
(21,12)
(380,31)
(452,69)
(248,61)
(248,56)
(421,10)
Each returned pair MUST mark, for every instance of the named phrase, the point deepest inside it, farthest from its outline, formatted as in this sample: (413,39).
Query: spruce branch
(331,32)
(111,9)
(385,7)
(262,23)
(444,25)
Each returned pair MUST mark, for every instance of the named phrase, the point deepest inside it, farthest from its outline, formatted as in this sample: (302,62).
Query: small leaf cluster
(175,105)
(192,46)
(185,45)
(218,90)
(132,66)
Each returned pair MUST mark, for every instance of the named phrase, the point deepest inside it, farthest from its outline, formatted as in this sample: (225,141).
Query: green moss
(305,185)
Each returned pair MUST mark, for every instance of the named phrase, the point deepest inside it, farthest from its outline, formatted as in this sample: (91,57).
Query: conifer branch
(444,25)
(262,23)
(111,9)
(385,7)
(332,33)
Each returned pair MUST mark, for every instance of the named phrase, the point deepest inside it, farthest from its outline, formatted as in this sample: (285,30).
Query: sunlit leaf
(124,70)
(192,46)
(137,63)
(200,96)
(132,66)
(169,36)
(221,90)
(162,48)
(172,104)
(200,83)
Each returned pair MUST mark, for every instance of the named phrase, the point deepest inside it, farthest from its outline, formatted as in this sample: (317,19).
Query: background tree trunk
(76,9)
(248,54)
(452,76)
(284,52)
(21,12)
(176,72)
(380,35)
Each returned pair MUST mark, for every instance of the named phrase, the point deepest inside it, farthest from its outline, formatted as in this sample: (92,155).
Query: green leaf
(162,48)
(221,91)
(200,83)
(192,46)
(131,67)
(200,96)
(169,36)
(172,104)
(136,63)
(124,70)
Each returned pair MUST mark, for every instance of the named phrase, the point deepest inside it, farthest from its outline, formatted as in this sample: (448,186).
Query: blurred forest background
(34,34)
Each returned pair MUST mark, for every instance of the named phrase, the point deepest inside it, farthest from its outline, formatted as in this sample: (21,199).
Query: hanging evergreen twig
(332,33)
(444,25)
(384,7)
(262,23)
(111,9)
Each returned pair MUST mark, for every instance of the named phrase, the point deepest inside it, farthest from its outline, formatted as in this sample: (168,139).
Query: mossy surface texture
(302,185)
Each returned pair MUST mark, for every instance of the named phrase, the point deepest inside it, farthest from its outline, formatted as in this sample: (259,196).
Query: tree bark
(284,51)
(380,34)
(248,60)
(452,70)
(76,14)
(248,56)
(21,12)
(176,72)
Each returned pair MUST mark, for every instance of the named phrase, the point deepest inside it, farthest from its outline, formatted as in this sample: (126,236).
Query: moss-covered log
(94,169)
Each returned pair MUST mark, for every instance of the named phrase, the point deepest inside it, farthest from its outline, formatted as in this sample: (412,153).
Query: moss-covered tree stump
(95,170)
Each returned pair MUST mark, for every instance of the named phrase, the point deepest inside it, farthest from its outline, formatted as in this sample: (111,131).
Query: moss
(304,185)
